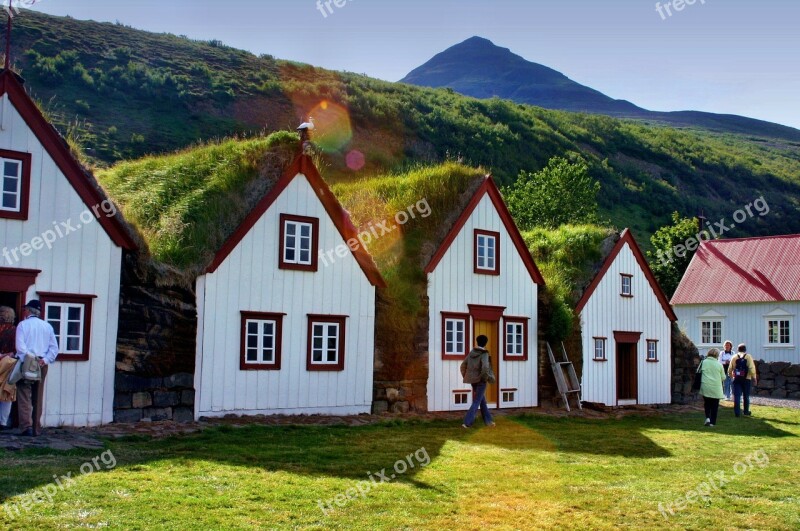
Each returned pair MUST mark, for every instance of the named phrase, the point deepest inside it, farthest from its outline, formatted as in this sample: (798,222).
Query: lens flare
(332,128)
(355,160)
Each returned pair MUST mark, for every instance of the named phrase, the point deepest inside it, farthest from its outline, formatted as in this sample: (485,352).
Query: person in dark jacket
(477,371)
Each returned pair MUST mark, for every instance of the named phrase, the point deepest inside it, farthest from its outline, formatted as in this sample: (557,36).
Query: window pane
(73,344)
(252,341)
(291,229)
(316,355)
(53,311)
(305,256)
(10,184)
(252,327)
(332,356)
(10,201)
(11,168)
(305,231)
(252,354)
(73,328)
(74,313)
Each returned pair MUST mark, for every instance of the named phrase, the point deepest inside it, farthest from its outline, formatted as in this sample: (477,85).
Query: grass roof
(186,204)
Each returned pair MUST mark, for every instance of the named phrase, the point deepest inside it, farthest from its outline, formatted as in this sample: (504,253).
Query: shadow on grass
(359,453)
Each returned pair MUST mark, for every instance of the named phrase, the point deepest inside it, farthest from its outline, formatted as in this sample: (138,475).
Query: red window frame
(72,298)
(25,184)
(496,236)
(313,319)
(314,222)
(467,344)
(245,365)
(515,320)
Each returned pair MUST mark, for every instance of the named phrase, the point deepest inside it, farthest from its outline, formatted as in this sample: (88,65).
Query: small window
(261,341)
(627,285)
(711,332)
(516,339)
(652,350)
(455,335)
(778,332)
(298,243)
(487,252)
(15,175)
(461,398)
(326,342)
(71,318)
(600,348)
(509,395)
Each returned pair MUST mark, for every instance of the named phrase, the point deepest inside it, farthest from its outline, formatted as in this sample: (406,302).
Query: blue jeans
(741,388)
(726,387)
(478,399)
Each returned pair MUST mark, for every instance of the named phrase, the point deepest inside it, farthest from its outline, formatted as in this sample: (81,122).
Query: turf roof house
(626,323)
(280,329)
(483,280)
(746,290)
(62,243)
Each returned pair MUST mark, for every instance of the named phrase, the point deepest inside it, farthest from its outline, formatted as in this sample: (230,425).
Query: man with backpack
(477,370)
(743,371)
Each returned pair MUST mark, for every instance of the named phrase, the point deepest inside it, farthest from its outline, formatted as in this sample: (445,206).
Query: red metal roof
(743,270)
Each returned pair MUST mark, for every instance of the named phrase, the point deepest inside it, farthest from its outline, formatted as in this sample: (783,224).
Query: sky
(725,56)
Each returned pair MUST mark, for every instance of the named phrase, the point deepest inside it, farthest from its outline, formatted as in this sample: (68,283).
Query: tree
(561,193)
(673,248)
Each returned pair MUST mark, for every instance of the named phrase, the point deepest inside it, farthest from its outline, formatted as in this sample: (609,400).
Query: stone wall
(138,398)
(685,359)
(777,379)
(155,344)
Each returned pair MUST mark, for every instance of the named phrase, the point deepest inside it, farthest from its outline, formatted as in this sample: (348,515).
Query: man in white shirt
(35,337)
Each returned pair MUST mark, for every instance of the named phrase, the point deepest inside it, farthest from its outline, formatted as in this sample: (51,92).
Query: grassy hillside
(121,93)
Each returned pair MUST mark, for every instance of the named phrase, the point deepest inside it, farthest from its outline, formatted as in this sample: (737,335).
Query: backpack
(740,367)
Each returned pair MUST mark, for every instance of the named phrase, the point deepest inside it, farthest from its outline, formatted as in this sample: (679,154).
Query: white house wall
(606,312)
(84,262)
(453,285)
(249,280)
(743,323)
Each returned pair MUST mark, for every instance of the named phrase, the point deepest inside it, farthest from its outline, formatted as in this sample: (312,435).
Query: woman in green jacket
(711,385)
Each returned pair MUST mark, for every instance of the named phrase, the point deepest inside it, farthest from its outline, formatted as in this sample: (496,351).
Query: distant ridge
(479,68)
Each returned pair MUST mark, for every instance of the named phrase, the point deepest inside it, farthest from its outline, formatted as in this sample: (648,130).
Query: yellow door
(489,329)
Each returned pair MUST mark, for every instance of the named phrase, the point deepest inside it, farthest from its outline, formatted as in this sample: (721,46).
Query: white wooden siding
(607,312)
(249,280)
(743,323)
(86,261)
(453,285)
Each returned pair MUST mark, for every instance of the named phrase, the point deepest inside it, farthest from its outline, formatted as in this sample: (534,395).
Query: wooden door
(627,373)
(489,329)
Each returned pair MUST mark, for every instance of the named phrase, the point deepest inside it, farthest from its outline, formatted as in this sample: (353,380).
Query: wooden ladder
(566,379)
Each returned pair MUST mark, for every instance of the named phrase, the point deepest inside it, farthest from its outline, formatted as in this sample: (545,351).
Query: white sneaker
(710,425)
(708,422)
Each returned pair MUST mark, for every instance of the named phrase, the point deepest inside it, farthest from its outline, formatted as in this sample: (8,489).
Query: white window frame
(461,395)
(298,248)
(600,341)
(260,348)
(459,347)
(623,284)
(779,316)
(508,396)
(652,343)
(711,321)
(19,178)
(63,336)
(517,342)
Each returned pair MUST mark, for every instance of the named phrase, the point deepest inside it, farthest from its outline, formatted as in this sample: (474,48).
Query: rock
(379,407)
(143,399)
(182,380)
(400,407)
(779,366)
(127,415)
(165,399)
(129,382)
(778,393)
(183,414)
(392,394)
(187,397)
(122,401)
(154,413)
(793,370)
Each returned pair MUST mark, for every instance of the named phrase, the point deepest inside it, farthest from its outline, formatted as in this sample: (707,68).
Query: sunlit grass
(531,472)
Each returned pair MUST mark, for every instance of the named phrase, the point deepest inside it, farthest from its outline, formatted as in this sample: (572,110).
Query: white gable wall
(606,312)
(249,280)
(453,285)
(743,323)
(84,262)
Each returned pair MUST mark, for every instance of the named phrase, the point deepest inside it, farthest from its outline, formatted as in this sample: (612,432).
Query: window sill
(600,359)
(626,296)
(652,361)
(778,347)
(453,357)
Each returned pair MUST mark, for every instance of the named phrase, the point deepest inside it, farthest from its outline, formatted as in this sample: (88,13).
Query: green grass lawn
(531,471)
